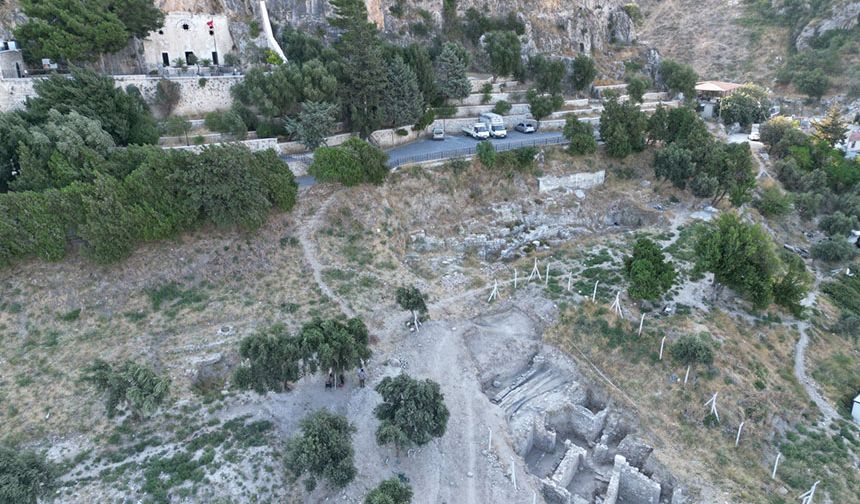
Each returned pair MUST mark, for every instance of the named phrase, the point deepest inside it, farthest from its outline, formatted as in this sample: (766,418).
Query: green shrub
(837,249)
(838,224)
(486,154)
(486,93)
(649,273)
(502,107)
(581,136)
(352,163)
(25,477)
(138,386)
(773,203)
(390,491)
(228,122)
(693,349)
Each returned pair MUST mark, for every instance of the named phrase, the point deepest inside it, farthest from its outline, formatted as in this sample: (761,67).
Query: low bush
(352,163)
(837,249)
(773,203)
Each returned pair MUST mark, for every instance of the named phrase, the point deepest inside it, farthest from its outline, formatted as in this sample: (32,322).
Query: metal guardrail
(470,151)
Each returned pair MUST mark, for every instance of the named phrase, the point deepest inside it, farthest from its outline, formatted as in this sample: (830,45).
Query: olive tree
(329,344)
(412,299)
(412,411)
(390,491)
(323,449)
(270,361)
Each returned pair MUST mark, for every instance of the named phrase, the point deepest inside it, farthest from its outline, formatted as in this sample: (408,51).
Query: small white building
(855,409)
(852,144)
(11,60)
(187,36)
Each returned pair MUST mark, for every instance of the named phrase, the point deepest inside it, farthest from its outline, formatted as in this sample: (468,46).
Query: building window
(215,58)
(165,59)
(190,58)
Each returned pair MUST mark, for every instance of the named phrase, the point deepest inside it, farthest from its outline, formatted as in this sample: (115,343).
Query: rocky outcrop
(842,17)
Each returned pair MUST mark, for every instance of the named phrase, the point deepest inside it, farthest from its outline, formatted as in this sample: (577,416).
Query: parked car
(477,131)
(526,127)
(755,135)
(438,133)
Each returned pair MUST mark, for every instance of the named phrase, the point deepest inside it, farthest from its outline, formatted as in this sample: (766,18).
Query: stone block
(553,493)
(569,465)
(573,181)
(634,450)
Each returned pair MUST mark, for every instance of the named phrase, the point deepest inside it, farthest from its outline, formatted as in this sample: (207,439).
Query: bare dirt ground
(343,251)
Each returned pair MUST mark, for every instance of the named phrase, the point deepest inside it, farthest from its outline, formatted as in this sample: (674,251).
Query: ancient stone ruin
(581,446)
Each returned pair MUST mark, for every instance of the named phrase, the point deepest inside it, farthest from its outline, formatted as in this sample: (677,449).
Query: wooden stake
(594,294)
(490,440)
(535,271)
(641,321)
(687,375)
(514,473)
(807,497)
(546,279)
(495,293)
(738,437)
(713,402)
(569,279)
(662,341)
(775,465)
(616,305)
(515,278)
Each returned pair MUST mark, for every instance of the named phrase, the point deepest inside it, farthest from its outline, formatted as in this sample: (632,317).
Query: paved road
(458,145)
(452,146)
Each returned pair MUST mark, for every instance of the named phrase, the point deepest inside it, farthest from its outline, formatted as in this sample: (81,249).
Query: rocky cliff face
(553,26)
(844,16)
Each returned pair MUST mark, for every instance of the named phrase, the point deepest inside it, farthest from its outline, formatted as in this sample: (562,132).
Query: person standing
(362,377)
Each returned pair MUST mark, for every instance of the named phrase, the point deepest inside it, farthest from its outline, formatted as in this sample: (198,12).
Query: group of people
(340,380)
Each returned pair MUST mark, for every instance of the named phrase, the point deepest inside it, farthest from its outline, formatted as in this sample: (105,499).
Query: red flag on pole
(210,23)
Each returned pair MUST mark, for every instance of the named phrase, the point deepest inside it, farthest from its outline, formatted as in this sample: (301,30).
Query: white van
(477,131)
(755,133)
(495,124)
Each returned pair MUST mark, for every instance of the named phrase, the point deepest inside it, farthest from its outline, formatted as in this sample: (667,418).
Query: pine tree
(405,101)
(451,76)
(365,73)
(831,129)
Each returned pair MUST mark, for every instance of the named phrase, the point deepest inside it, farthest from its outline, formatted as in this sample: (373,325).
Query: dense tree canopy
(741,256)
(323,449)
(451,77)
(583,72)
(333,345)
(548,74)
(679,78)
(412,299)
(503,49)
(271,361)
(746,105)
(581,136)
(411,412)
(831,129)
(404,103)
(622,127)
(81,30)
(123,114)
(313,124)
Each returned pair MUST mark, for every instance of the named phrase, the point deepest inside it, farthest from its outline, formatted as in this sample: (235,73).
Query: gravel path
(827,410)
(306,230)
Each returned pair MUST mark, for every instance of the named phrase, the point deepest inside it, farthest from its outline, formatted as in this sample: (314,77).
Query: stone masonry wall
(194,99)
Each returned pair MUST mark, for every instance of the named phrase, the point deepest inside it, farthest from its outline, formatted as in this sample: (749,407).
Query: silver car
(438,133)
(525,127)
